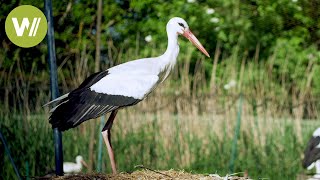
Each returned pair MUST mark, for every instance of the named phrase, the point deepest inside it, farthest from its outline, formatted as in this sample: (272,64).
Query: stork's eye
(181,25)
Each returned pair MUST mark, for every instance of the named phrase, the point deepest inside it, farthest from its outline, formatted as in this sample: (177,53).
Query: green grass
(162,142)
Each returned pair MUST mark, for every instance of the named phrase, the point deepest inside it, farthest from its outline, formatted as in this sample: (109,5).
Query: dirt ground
(148,174)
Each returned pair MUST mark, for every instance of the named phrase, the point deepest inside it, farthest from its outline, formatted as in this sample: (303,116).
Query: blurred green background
(265,52)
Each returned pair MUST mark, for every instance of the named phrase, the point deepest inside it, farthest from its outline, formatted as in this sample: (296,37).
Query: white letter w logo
(25,25)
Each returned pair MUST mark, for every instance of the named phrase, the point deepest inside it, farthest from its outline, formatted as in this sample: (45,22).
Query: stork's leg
(106,133)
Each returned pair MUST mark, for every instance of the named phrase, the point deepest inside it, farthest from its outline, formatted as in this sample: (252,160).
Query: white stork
(120,86)
(312,153)
(70,167)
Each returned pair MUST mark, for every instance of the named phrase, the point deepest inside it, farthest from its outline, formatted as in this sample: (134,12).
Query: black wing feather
(312,152)
(83,104)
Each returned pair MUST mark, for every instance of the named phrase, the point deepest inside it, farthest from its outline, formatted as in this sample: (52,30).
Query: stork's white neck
(169,58)
(173,45)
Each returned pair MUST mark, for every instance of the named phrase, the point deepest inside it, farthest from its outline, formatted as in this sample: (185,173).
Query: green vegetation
(200,145)
(270,49)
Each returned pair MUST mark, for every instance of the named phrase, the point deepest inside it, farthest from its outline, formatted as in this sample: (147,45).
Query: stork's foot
(106,136)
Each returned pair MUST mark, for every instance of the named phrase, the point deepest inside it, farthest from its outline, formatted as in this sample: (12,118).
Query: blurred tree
(250,25)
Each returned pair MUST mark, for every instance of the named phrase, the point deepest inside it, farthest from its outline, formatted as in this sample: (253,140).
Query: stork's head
(181,27)
(80,160)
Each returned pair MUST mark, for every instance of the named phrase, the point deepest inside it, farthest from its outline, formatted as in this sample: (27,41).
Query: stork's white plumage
(312,153)
(71,167)
(120,86)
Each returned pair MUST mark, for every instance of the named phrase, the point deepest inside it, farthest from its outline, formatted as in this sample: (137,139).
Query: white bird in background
(312,154)
(120,86)
(70,167)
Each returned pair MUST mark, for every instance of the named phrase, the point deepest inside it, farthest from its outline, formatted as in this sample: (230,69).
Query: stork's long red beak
(84,163)
(188,34)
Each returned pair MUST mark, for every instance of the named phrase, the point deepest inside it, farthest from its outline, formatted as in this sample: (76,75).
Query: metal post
(54,85)
(102,123)
(4,142)
(236,136)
